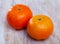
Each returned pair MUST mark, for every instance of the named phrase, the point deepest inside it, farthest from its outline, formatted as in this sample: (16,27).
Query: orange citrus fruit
(40,27)
(18,16)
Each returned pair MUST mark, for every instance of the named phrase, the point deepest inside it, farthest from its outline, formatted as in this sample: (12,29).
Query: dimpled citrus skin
(40,27)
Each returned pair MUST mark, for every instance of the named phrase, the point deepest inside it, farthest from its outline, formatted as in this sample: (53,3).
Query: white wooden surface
(50,8)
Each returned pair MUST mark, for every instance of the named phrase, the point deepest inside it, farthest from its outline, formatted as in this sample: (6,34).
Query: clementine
(18,16)
(40,27)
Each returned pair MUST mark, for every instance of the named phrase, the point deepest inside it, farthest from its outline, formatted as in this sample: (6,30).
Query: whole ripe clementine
(40,27)
(18,16)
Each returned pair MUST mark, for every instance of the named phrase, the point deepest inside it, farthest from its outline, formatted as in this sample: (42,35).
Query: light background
(50,8)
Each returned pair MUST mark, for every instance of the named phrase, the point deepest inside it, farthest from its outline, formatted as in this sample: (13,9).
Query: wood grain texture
(50,8)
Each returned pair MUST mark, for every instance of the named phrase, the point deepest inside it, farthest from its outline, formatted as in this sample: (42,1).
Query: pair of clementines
(38,27)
